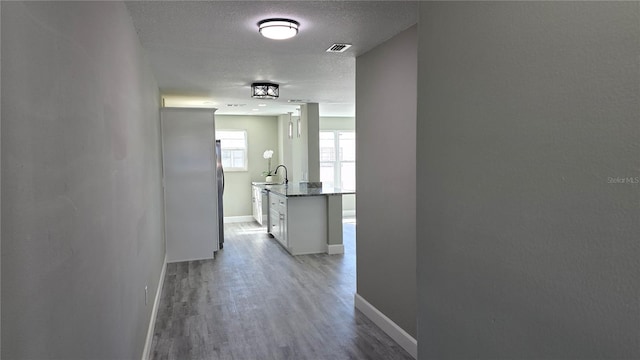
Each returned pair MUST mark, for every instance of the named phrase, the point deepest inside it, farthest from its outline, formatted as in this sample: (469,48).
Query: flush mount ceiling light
(265,91)
(278,29)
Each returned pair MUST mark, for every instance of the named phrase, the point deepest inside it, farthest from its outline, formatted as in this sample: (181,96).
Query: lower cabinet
(278,218)
(256,203)
(299,223)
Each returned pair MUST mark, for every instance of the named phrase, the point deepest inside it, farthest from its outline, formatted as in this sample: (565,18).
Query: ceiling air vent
(338,48)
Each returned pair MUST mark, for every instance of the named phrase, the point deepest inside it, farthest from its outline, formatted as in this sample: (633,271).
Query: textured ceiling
(208,53)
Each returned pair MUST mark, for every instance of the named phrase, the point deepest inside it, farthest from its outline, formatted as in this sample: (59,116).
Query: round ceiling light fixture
(278,29)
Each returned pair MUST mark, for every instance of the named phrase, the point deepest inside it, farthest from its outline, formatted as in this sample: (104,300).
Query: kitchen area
(304,218)
(300,189)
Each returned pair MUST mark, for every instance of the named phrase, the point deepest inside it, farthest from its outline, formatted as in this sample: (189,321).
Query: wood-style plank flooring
(255,301)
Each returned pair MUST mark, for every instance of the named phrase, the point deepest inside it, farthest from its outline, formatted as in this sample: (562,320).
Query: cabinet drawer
(278,203)
(273,218)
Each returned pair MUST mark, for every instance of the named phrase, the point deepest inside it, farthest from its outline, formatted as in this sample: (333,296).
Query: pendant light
(299,122)
(290,126)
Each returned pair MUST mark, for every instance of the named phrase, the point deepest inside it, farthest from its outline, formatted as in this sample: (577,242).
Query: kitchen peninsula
(305,219)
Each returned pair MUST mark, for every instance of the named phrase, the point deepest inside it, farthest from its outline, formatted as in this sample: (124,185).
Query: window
(233,144)
(338,159)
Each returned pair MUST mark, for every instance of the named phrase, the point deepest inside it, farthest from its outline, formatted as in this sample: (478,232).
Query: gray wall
(525,248)
(262,134)
(285,145)
(81,195)
(311,137)
(385,177)
(0,192)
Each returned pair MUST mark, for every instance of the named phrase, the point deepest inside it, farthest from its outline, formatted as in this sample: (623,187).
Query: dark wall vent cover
(338,48)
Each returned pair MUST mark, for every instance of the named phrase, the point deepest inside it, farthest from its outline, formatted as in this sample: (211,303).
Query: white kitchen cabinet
(278,218)
(256,204)
(299,223)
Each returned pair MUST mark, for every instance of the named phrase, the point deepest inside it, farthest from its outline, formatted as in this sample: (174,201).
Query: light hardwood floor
(255,301)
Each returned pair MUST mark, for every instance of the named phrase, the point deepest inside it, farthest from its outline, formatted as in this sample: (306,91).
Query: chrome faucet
(286,180)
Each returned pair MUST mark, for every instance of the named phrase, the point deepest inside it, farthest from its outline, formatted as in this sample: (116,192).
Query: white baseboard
(335,249)
(387,325)
(238,219)
(154,312)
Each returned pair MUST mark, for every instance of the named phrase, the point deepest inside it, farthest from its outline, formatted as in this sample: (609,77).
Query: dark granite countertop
(297,190)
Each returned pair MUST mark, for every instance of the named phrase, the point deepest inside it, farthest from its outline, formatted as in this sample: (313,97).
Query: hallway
(255,301)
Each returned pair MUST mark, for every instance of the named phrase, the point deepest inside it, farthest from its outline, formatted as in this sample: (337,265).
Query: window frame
(337,162)
(245,149)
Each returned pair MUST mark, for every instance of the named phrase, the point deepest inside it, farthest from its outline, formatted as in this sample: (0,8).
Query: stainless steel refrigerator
(220,185)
